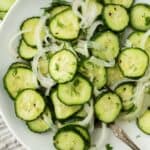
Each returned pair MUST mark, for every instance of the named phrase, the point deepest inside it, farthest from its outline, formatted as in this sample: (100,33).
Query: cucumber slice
(140,17)
(107,107)
(133,62)
(81,114)
(44,63)
(67,139)
(30,26)
(135,39)
(18,79)
(20,64)
(116,17)
(65,25)
(76,92)
(2,15)
(107,46)
(63,66)
(29,105)
(114,75)
(84,132)
(42,123)
(26,52)
(124,3)
(62,111)
(144,122)
(57,10)
(6,4)
(126,92)
(95,73)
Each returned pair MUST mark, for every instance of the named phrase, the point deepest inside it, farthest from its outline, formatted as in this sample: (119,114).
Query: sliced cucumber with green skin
(29,27)
(18,79)
(76,92)
(63,66)
(57,10)
(44,63)
(133,62)
(136,38)
(82,130)
(140,17)
(84,133)
(114,75)
(81,114)
(67,139)
(6,4)
(106,46)
(124,3)
(126,92)
(42,123)
(2,15)
(29,105)
(107,107)
(95,73)
(20,64)
(62,111)
(26,52)
(144,122)
(65,25)
(115,17)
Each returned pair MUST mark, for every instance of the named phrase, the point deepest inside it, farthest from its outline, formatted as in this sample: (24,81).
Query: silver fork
(119,133)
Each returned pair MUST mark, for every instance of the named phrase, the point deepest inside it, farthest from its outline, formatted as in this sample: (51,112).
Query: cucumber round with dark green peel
(82,130)
(95,73)
(124,3)
(67,139)
(126,92)
(114,75)
(19,78)
(115,17)
(29,27)
(135,39)
(26,52)
(133,62)
(20,64)
(65,25)
(29,105)
(43,64)
(107,107)
(57,10)
(84,133)
(106,46)
(63,66)
(62,111)
(41,124)
(76,92)
(5,5)
(143,122)
(140,17)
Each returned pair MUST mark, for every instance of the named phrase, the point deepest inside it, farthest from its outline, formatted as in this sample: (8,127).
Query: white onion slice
(90,112)
(46,82)
(144,39)
(138,101)
(101,62)
(92,29)
(82,48)
(13,40)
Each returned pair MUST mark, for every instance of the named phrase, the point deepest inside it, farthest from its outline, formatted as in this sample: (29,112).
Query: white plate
(21,10)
